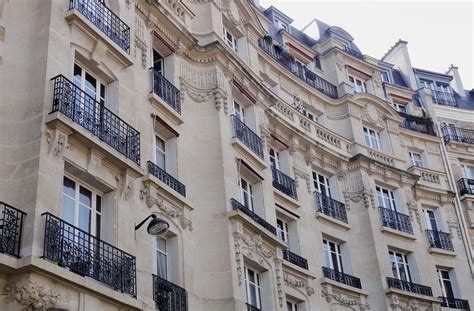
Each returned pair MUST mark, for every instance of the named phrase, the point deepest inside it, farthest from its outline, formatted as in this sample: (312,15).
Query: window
(445,283)
(158,63)
(468,171)
(252,286)
(246,193)
(428,84)
(310,116)
(415,159)
(274,158)
(160,152)
(385,76)
(385,198)
(239,111)
(321,184)
(332,255)
(162,258)
(400,268)
(400,107)
(291,306)
(372,139)
(444,88)
(230,39)
(357,84)
(282,230)
(430,219)
(89,84)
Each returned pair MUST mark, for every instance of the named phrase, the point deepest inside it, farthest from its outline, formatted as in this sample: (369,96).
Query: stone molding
(33,296)
(298,283)
(339,298)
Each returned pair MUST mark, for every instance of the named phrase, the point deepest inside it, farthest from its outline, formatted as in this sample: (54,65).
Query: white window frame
(387,74)
(239,111)
(385,198)
(358,85)
(256,285)
(282,230)
(232,41)
(321,184)
(393,257)
(442,280)
(246,191)
(291,305)
(328,255)
(372,138)
(159,150)
(100,87)
(160,60)
(400,107)
(468,171)
(430,219)
(413,159)
(274,158)
(165,253)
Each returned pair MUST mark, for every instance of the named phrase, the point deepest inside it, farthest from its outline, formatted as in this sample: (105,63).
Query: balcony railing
(104,19)
(166,178)
(11,226)
(441,240)
(287,61)
(417,124)
(236,205)
(395,220)
(353,52)
(457,134)
(84,110)
(168,296)
(166,91)
(409,287)
(342,277)
(465,186)
(444,98)
(330,207)
(295,259)
(252,308)
(455,303)
(86,255)
(284,183)
(247,136)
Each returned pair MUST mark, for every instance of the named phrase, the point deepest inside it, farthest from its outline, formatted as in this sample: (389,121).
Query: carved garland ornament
(298,283)
(58,142)
(339,299)
(33,296)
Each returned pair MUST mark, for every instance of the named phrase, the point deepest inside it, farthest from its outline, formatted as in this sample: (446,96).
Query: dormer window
(386,77)
(230,39)
(358,85)
(400,107)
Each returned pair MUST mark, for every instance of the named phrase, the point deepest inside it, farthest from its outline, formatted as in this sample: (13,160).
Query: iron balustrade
(342,277)
(465,186)
(166,178)
(444,98)
(419,124)
(252,308)
(409,287)
(330,207)
(86,255)
(295,259)
(168,296)
(439,239)
(236,205)
(455,303)
(166,91)
(11,227)
(284,183)
(247,136)
(286,60)
(353,52)
(458,134)
(395,220)
(92,115)
(104,19)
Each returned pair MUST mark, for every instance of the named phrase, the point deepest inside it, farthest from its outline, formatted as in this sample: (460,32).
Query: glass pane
(85,197)
(67,209)
(162,265)
(77,75)
(98,204)
(90,86)
(161,244)
(253,295)
(84,218)
(69,187)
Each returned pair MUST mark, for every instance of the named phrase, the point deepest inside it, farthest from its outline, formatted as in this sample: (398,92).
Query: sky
(439,33)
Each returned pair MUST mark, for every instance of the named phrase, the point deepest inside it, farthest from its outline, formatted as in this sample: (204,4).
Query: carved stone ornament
(58,142)
(279,281)
(33,296)
(125,184)
(338,298)
(370,113)
(298,173)
(298,283)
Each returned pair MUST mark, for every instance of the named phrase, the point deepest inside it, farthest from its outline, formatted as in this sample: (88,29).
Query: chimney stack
(456,83)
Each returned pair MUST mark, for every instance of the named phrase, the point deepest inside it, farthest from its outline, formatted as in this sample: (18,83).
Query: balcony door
(385,198)
(274,159)
(332,255)
(321,184)
(252,286)
(468,172)
(400,267)
(158,63)
(162,258)
(246,193)
(239,112)
(445,283)
(430,219)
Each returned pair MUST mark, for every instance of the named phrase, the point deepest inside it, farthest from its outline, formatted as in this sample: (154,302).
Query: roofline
(432,73)
(400,41)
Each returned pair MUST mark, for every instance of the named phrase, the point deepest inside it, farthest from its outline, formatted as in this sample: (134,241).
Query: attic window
(386,77)
(230,39)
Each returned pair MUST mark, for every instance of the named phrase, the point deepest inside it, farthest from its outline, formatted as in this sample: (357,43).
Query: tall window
(357,84)
(372,139)
(239,111)
(274,158)
(252,286)
(160,152)
(230,39)
(445,283)
(428,84)
(89,84)
(416,159)
(430,219)
(400,267)
(162,258)
(282,230)
(385,198)
(291,306)
(158,63)
(385,76)
(332,255)
(321,184)
(468,171)
(246,193)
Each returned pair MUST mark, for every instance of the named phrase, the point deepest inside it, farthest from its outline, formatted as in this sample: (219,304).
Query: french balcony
(441,240)
(252,308)
(236,205)
(417,124)
(330,207)
(243,133)
(353,52)
(93,116)
(409,287)
(395,220)
(465,186)
(166,178)
(453,133)
(286,60)
(342,277)
(166,91)
(168,296)
(11,226)
(82,253)
(444,98)
(284,183)
(295,259)
(455,303)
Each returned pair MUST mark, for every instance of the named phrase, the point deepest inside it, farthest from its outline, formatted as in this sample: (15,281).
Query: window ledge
(167,192)
(397,234)
(289,265)
(347,288)
(285,199)
(441,252)
(248,154)
(332,221)
(410,295)
(164,108)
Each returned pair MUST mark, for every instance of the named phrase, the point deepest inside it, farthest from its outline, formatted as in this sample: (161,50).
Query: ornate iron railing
(104,19)
(409,287)
(455,303)
(82,253)
(166,178)
(330,207)
(295,259)
(252,308)
(353,52)
(166,91)
(168,296)
(247,136)
(342,277)
(465,186)
(439,239)
(459,134)
(395,220)
(287,61)
(236,205)
(418,124)
(444,98)
(11,227)
(284,183)
(92,115)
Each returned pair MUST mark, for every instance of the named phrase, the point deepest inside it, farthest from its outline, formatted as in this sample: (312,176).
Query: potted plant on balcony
(268,39)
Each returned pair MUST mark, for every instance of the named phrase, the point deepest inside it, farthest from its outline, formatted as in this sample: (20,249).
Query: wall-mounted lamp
(157,226)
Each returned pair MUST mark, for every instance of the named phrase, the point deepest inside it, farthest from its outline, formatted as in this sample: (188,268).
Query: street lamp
(157,226)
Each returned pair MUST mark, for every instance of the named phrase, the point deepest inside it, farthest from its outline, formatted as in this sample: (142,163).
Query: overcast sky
(439,33)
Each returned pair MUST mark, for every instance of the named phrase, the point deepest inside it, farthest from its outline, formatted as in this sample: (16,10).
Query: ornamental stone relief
(335,298)
(298,283)
(33,296)
(58,142)
(141,47)
(413,304)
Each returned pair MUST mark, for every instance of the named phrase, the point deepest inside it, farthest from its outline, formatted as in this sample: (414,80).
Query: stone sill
(441,252)
(286,198)
(397,234)
(350,289)
(411,295)
(165,109)
(289,265)
(169,193)
(248,154)
(332,221)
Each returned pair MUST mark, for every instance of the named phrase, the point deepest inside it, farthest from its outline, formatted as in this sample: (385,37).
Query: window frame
(247,192)
(232,41)
(442,282)
(291,305)
(160,61)
(239,111)
(100,86)
(358,85)
(415,162)
(400,107)
(282,230)
(275,161)
(320,182)
(157,149)
(395,263)
(390,196)
(330,254)
(257,285)
(165,253)
(372,138)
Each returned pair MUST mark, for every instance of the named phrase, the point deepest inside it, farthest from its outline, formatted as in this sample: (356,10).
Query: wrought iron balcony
(166,178)
(166,91)
(455,303)
(84,110)
(395,220)
(86,255)
(457,134)
(168,296)
(465,186)
(444,98)
(247,136)
(418,124)
(409,287)
(252,308)
(104,19)
(441,240)
(236,205)
(342,277)
(284,183)
(286,60)
(295,259)
(11,226)
(353,52)
(330,207)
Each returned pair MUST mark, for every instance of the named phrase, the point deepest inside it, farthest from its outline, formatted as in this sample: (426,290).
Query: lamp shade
(158,226)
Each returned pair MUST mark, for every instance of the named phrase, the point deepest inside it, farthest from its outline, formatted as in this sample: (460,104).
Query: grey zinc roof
(466,102)
(398,79)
